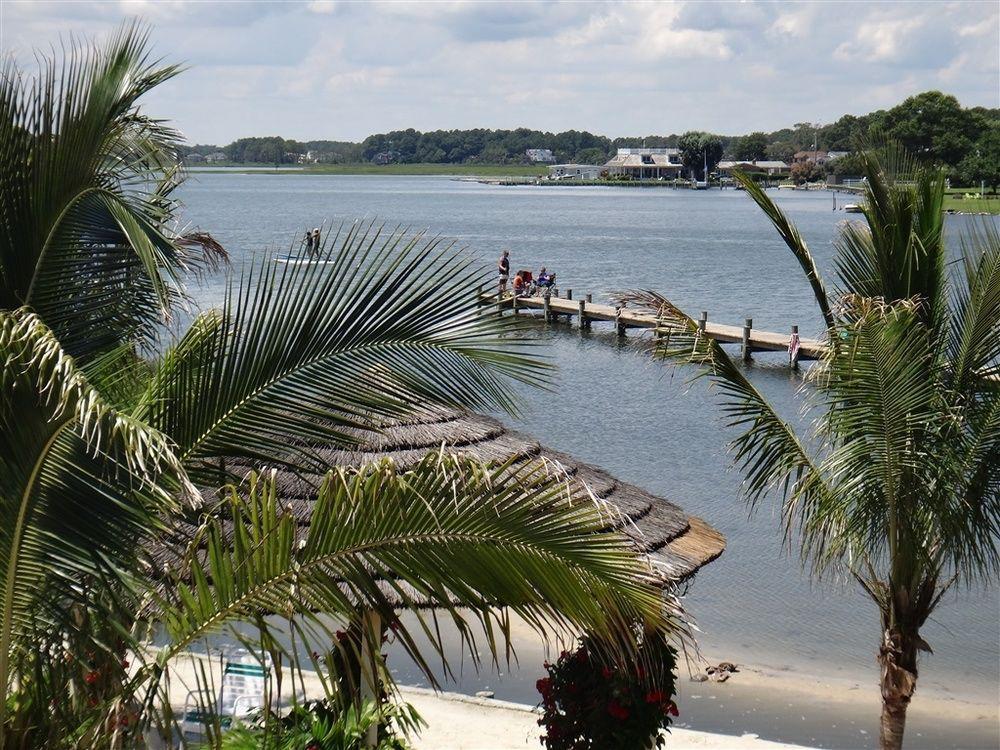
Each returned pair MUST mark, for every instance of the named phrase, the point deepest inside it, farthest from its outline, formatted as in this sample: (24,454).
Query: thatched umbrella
(677,543)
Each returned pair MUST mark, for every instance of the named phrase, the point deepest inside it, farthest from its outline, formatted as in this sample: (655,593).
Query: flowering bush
(591,704)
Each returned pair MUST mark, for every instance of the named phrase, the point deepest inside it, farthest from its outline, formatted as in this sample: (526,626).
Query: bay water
(646,422)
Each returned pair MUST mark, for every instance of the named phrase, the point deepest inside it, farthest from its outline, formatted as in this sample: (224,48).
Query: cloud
(342,70)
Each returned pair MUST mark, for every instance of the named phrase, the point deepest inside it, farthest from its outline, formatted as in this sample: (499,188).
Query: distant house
(384,157)
(646,163)
(771,168)
(217,156)
(540,155)
(575,172)
(816,157)
(831,155)
(194,158)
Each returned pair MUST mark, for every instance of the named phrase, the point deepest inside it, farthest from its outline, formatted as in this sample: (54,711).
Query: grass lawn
(954,200)
(469,170)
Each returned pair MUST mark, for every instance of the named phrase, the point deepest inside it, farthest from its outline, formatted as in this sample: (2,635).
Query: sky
(337,70)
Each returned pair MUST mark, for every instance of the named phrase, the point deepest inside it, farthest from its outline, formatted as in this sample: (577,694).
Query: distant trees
(932,125)
(698,150)
(805,171)
(751,147)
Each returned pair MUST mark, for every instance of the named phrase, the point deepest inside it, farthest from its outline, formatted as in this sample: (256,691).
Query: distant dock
(586,311)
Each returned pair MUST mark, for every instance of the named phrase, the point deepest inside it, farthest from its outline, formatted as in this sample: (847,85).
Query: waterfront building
(540,155)
(217,156)
(646,163)
(575,171)
(818,158)
(769,167)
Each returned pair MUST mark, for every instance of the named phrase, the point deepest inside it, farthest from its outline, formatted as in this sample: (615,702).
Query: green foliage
(591,702)
(104,540)
(900,485)
(806,171)
(697,149)
(86,181)
(751,147)
(318,726)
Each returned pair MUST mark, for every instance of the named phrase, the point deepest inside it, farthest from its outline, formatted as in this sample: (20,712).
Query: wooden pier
(585,311)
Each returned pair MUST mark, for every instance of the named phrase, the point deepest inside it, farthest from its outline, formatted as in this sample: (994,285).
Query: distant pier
(750,339)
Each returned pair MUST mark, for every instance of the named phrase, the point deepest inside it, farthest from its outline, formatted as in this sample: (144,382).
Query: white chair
(244,676)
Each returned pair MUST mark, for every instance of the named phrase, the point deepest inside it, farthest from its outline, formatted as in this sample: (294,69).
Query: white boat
(852,208)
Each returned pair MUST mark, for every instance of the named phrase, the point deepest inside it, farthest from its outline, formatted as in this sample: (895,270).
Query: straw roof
(677,543)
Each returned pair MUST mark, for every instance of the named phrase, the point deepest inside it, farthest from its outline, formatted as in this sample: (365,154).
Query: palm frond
(768,452)
(795,241)
(300,353)
(85,207)
(467,539)
(82,485)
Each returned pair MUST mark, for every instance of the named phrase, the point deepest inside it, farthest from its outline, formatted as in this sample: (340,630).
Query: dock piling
(793,350)
(747,328)
(619,326)
(569,294)
(584,323)
(513,305)
(590,298)
(703,321)
(546,309)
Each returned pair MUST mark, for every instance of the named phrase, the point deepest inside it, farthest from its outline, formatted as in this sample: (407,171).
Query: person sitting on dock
(546,280)
(519,286)
(504,267)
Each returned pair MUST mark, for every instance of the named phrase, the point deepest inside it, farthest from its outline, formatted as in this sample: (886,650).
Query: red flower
(655,696)
(543,686)
(672,709)
(91,677)
(341,636)
(617,710)
(124,663)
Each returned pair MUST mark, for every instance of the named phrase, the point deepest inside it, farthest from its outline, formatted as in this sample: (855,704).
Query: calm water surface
(646,423)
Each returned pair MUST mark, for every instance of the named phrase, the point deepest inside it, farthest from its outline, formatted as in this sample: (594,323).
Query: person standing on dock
(504,268)
(314,246)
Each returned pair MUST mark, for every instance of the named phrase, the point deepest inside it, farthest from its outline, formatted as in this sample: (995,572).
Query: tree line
(932,125)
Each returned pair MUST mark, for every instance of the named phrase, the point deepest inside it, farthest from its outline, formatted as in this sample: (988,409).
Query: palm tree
(109,460)
(899,487)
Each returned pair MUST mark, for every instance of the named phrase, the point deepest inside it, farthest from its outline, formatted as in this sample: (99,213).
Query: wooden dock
(585,311)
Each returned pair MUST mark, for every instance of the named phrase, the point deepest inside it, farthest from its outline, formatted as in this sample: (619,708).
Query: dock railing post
(619,326)
(590,298)
(545,308)
(747,328)
(513,304)
(703,321)
(569,294)
(583,315)
(793,349)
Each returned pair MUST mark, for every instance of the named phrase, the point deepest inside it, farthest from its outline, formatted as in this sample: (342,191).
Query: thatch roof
(679,544)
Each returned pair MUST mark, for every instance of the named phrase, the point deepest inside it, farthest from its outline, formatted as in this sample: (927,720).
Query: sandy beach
(458,722)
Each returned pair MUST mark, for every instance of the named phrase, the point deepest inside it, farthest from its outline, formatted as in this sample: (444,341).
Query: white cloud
(324,69)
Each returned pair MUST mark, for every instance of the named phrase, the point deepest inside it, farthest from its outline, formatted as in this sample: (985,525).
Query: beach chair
(241,692)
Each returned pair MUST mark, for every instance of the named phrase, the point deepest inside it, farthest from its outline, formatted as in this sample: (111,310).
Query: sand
(458,722)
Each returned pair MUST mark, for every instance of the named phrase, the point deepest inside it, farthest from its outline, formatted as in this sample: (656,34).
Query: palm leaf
(85,182)
(795,241)
(451,532)
(299,354)
(82,485)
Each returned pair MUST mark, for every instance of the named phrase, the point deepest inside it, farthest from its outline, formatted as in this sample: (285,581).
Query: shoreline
(776,703)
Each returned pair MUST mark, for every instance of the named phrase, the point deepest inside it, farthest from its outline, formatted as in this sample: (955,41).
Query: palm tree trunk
(898,660)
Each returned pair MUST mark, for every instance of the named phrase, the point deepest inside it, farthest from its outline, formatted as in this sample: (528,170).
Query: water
(646,423)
